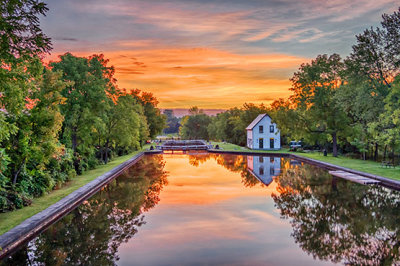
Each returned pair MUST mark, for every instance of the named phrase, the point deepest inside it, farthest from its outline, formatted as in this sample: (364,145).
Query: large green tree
(314,113)
(123,127)
(156,120)
(34,143)
(376,61)
(195,126)
(89,96)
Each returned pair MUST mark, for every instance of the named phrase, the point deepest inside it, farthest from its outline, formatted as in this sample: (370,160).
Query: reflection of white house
(262,134)
(264,168)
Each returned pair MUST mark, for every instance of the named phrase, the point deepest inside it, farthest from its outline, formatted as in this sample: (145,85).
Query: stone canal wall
(31,227)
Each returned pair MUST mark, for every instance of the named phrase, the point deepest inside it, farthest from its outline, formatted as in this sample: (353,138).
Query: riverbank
(9,220)
(371,167)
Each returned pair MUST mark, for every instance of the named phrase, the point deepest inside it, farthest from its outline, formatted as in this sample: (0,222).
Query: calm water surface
(224,210)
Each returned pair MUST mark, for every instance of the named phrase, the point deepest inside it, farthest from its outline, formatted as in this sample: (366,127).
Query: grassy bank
(10,219)
(356,164)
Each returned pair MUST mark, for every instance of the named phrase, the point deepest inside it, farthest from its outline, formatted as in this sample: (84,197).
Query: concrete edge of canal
(390,183)
(34,225)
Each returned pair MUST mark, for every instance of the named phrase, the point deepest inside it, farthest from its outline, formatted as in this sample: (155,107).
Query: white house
(264,168)
(262,134)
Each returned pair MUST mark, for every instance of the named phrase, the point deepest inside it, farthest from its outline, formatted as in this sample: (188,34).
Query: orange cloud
(208,78)
(251,46)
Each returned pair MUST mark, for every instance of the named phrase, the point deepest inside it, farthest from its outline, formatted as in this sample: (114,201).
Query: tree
(89,96)
(172,122)
(122,127)
(21,42)
(362,104)
(195,127)
(387,127)
(377,52)
(313,100)
(155,119)
(374,63)
(231,124)
(21,36)
(31,149)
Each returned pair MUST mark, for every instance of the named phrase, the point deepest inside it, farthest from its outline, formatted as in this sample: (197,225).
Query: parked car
(294,145)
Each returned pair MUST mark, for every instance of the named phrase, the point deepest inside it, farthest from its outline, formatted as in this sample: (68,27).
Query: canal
(203,208)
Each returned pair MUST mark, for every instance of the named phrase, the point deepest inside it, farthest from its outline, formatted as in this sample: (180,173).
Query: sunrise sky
(213,54)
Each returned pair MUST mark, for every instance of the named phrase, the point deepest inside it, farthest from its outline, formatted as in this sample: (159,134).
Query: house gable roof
(255,121)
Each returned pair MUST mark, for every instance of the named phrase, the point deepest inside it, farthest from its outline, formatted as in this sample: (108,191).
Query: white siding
(250,139)
(266,135)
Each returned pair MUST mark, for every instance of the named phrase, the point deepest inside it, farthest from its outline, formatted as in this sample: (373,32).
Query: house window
(272,170)
(271,128)
(261,159)
(261,129)
(261,170)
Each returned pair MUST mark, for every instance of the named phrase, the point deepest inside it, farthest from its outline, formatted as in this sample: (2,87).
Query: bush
(11,200)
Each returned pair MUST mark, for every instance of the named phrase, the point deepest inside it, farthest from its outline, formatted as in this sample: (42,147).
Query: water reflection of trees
(92,233)
(234,163)
(341,221)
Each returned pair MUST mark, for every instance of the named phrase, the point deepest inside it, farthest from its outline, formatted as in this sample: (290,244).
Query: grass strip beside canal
(11,219)
(367,166)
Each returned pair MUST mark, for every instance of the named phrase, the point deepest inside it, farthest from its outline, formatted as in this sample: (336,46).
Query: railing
(184,147)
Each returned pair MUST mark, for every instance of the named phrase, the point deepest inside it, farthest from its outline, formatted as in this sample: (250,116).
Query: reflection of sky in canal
(212,209)
(206,215)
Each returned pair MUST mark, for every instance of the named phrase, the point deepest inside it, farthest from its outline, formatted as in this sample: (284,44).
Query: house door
(271,143)
(261,143)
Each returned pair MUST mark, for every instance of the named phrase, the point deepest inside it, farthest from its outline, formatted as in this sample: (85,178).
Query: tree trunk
(16,173)
(384,153)
(74,139)
(376,152)
(106,153)
(334,140)
(393,155)
(102,153)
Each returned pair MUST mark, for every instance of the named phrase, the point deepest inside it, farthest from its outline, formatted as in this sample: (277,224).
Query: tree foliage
(155,120)
(350,104)
(231,125)
(21,35)
(194,126)
(173,122)
(60,120)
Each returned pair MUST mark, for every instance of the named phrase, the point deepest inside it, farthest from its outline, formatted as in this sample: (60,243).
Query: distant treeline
(173,122)
(59,120)
(349,105)
(228,126)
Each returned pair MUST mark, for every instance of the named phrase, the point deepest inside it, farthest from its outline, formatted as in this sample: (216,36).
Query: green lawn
(10,219)
(356,164)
